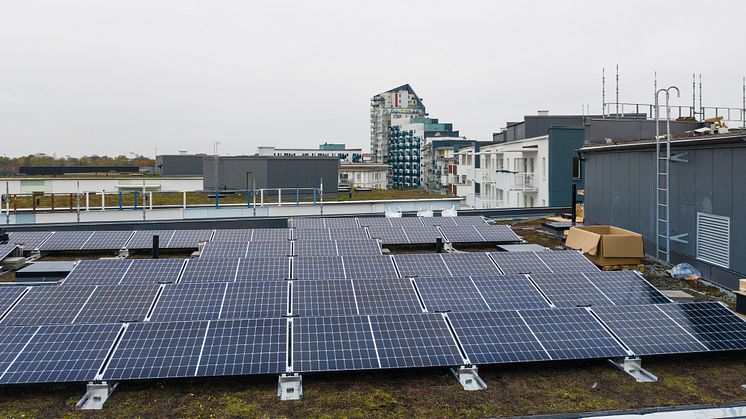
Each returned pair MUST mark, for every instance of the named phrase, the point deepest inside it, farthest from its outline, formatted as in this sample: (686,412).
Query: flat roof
(678,141)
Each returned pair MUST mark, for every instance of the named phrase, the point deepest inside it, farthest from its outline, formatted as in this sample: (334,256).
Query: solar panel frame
(567,261)
(711,323)
(324,298)
(414,340)
(190,302)
(566,289)
(374,266)
(62,353)
(626,287)
(107,240)
(66,241)
(254,300)
(450,294)
(157,350)
(572,333)
(210,270)
(319,267)
(244,347)
(98,272)
(497,337)
(386,296)
(519,262)
(263,269)
(117,304)
(333,344)
(419,265)
(510,292)
(150,271)
(49,305)
(647,330)
(470,263)
(268,248)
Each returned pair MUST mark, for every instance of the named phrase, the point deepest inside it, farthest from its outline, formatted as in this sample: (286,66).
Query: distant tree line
(11,164)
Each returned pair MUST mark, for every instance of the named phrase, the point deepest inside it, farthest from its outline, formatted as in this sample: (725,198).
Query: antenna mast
(216,164)
(603,91)
(617,90)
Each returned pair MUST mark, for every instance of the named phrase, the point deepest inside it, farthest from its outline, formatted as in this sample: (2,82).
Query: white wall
(67,185)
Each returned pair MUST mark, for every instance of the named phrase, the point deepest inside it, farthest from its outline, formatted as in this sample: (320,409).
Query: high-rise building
(398,104)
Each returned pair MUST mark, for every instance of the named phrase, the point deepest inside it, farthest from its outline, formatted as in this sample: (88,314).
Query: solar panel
(467,220)
(302,222)
(311,234)
(107,240)
(386,296)
(152,271)
(324,298)
(438,221)
(626,287)
(462,234)
(321,267)
(98,272)
(333,344)
(244,347)
(255,300)
(157,350)
(470,263)
(210,270)
(264,234)
(497,338)
(49,305)
(190,302)
(389,235)
(263,269)
(358,267)
(414,340)
(30,240)
(358,247)
(421,265)
(495,233)
(187,239)
(711,323)
(7,249)
(66,240)
(406,222)
(509,292)
(233,235)
(422,235)
(340,222)
(8,295)
(315,248)
(374,222)
(118,303)
(354,233)
(268,248)
(450,294)
(570,290)
(647,330)
(566,261)
(62,354)
(12,341)
(519,262)
(224,250)
(143,239)
(572,333)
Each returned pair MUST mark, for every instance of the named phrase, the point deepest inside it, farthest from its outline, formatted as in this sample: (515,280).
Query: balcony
(525,182)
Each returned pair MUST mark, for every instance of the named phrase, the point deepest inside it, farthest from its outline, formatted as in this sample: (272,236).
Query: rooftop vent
(543,113)
(713,239)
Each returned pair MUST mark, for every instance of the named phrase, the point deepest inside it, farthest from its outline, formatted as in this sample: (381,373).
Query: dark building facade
(179,164)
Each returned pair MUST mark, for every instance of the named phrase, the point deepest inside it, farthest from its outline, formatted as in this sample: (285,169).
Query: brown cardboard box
(607,245)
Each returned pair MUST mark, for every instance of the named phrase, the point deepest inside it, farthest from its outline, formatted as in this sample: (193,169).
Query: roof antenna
(617,90)
(655,94)
(743,103)
(694,97)
(603,91)
(701,109)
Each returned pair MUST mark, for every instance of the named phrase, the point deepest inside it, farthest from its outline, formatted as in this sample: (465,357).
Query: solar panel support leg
(633,366)
(290,387)
(96,395)
(468,378)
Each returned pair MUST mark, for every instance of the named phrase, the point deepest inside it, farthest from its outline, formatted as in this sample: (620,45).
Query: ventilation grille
(713,239)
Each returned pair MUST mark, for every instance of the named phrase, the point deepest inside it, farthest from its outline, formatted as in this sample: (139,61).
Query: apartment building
(398,104)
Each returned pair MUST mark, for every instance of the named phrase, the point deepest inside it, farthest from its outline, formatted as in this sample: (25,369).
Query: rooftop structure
(399,103)
(351,155)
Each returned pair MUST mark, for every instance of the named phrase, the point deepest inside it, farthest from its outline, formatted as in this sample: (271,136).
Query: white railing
(524,181)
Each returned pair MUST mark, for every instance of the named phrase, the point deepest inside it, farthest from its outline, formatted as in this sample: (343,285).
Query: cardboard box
(607,245)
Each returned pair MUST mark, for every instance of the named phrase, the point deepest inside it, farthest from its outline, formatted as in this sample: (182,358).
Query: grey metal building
(179,164)
(241,173)
(707,199)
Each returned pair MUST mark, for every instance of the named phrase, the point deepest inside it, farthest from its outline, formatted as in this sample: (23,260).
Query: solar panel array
(7,249)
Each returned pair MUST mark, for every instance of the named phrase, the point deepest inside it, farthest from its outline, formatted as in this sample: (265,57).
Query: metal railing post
(297,197)
(134,197)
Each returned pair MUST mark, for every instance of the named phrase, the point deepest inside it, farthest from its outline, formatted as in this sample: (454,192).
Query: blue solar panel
(571,290)
(322,267)
(244,347)
(8,295)
(572,333)
(66,240)
(421,265)
(450,294)
(510,292)
(187,239)
(626,287)
(386,296)
(710,323)
(12,340)
(224,250)
(311,234)
(107,240)
(62,354)
(263,269)
(567,261)
(389,235)
(157,350)
(233,235)
(30,240)
(316,248)
(340,222)
(152,271)
(190,302)
(333,344)
(355,233)
(7,249)
(118,303)
(420,235)
(98,272)
(497,338)
(469,263)
(255,299)
(269,248)
(358,247)
(49,305)
(299,223)
(210,270)
(519,263)
(143,239)
(271,234)
(324,298)
(414,340)
(358,267)
(496,233)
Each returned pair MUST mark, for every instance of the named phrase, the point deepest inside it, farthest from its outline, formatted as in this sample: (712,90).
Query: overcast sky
(85,77)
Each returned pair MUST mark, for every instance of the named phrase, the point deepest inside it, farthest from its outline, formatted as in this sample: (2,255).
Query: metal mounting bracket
(468,378)
(679,238)
(633,367)
(679,158)
(96,395)
(290,387)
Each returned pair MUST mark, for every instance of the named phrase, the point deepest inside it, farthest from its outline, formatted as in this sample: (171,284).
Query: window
(543,168)
(576,167)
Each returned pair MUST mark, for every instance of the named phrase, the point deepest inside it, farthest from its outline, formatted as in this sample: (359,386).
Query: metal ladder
(662,208)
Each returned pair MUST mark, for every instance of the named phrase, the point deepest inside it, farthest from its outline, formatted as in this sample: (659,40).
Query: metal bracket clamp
(633,367)
(679,238)
(96,395)
(679,158)
(290,387)
(468,378)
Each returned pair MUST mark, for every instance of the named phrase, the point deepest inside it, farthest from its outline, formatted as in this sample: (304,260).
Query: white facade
(347,155)
(69,185)
(387,108)
(511,175)
(363,175)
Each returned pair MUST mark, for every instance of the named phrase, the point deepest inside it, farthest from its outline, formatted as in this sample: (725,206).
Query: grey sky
(84,77)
